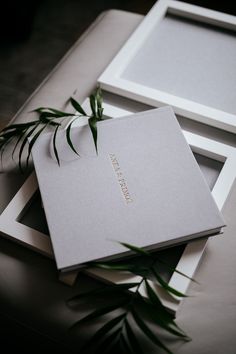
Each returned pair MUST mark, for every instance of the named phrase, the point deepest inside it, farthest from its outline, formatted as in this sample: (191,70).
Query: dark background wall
(36,36)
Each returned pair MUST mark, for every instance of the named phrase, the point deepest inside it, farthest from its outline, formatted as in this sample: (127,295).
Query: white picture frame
(13,229)
(112,80)
(39,242)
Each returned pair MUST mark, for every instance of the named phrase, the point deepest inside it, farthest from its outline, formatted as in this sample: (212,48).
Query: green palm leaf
(134,268)
(101,333)
(148,332)
(68,137)
(56,112)
(166,286)
(135,249)
(160,309)
(93,127)
(93,105)
(158,260)
(47,116)
(109,343)
(18,126)
(132,339)
(17,143)
(32,142)
(10,134)
(98,98)
(100,312)
(27,135)
(125,345)
(77,106)
(160,315)
(4,146)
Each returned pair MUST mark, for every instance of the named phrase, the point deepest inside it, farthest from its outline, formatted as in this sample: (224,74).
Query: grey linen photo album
(144,187)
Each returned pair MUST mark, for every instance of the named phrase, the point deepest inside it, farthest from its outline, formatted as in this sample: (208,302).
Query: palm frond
(52,118)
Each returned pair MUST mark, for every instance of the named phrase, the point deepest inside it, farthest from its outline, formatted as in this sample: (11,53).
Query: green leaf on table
(132,339)
(148,332)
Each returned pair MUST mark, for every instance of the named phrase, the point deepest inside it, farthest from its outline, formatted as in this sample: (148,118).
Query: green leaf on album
(93,105)
(100,312)
(99,100)
(68,137)
(133,268)
(117,332)
(93,127)
(77,106)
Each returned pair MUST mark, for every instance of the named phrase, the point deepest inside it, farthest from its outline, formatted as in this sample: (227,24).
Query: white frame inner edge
(112,81)
(27,236)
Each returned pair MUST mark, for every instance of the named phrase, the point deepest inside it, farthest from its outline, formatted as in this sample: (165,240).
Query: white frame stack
(112,81)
